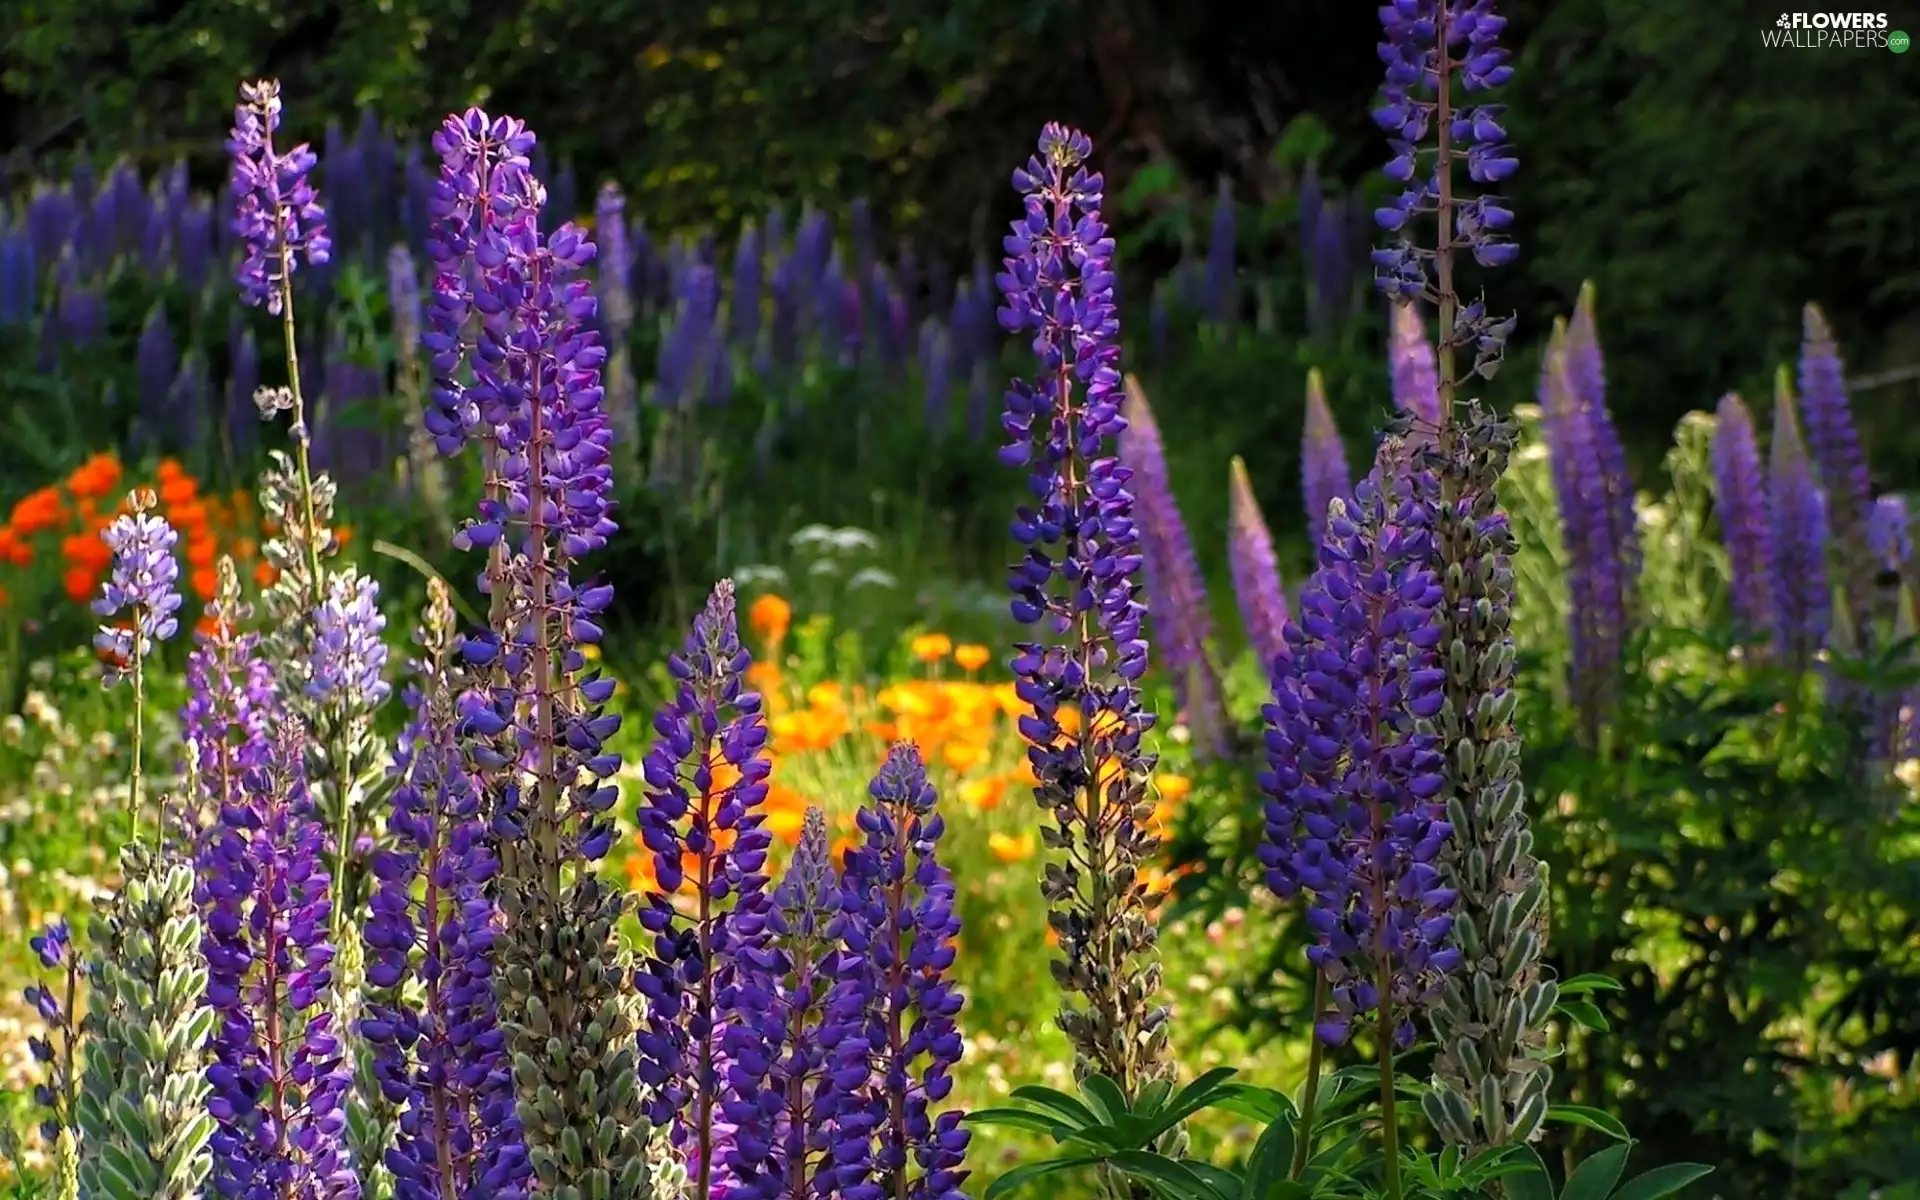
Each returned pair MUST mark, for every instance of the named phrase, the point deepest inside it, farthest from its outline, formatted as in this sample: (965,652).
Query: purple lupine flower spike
(1586,371)
(1416,378)
(1176,591)
(279,1076)
(1355,817)
(1589,518)
(348,655)
(231,707)
(1740,495)
(702,820)
(144,586)
(797,1044)
(1324,474)
(58,1094)
(1802,596)
(1840,465)
(279,219)
(1223,296)
(1076,582)
(900,920)
(431,919)
(1256,571)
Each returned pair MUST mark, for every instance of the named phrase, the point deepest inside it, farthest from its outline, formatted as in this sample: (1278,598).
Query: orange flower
(342,536)
(178,491)
(36,511)
(1174,788)
(264,573)
(79,583)
(95,478)
(770,616)
(786,812)
(169,470)
(964,756)
(86,550)
(931,647)
(1010,849)
(205,581)
(984,794)
(764,677)
(189,517)
(972,656)
(201,551)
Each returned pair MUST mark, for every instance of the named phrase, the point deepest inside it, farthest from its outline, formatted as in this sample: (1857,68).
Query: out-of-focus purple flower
(278,217)
(403,301)
(702,821)
(19,278)
(58,1051)
(1330,267)
(156,358)
(1324,473)
(345,173)
(243,379)
(1355,817)
(566,194)
(1586,371)
(143,586)
(936,367)
(1840,465)
(349,657)
(1176,590)
(1223,294)
(1802,596)
(188,399)
(614,263)
(1595,508)
(748,271)
(81,318)
(900,920)
(1890,534)
(1256,571)
(279,1074)
(193,245)
(684,366)
(1745,525)
(231,707)
(1416,380)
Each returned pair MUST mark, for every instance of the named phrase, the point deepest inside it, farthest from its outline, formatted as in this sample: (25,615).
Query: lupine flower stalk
(1176,590)
(1416,380)
(1491,1076)
(1076,581)
(144,586)
(798,1054)
(1324,474)
(1356,816)
(702,821)
(616,304)
(231,706)
(900,919)
(1596,570)
(537,731)
(58,1052)
(1587,374)
(143,1118)
(436,1046)
(279,1074)
(1255,570)
(1840,465)
(1802,597)
(1740,493)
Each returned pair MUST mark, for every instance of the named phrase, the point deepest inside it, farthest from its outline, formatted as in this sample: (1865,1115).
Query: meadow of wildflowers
(1536,810)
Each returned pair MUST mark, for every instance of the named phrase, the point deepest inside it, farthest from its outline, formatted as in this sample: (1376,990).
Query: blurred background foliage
(1708,186)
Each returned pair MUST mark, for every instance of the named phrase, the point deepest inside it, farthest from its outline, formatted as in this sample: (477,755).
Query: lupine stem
(139,721)
(1303,1133)
(1389,1107)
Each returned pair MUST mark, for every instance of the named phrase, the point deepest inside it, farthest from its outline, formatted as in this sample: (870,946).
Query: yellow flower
(1174,788)
(931,647)
(964,756)
(1010,849)
(972,656)
(590,652)
(984,794)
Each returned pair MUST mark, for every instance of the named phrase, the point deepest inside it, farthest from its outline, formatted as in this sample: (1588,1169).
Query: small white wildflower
(810,537)
(824,566)
(854,541)
(762,575)
(873,577)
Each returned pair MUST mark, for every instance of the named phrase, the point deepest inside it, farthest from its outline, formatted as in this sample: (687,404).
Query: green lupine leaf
(1594,1178)
(1662,1181)
(1596,1119)
(1022,1175)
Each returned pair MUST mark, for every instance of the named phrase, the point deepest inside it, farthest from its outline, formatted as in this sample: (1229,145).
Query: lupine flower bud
(702,820)
(279,219)
(1802,596)
(1176,591)
(1324,474)
(143,586)
(1491,1020)
(1416,379)
(1745,524)
(144,1097)
(1256,570)
(900,921)
(1356,816)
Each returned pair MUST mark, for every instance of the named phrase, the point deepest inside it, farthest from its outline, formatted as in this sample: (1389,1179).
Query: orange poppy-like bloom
(14,548)
(931,647)
(79,584)
(972,656)
(1011,849)
(95,478)
(984,794)
(178,491)
(1173,788)
(770,616)
(36,511)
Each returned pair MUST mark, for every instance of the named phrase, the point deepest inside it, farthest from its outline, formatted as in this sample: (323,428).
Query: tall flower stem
(1303,1133)
(139,724)
(1389,1106)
